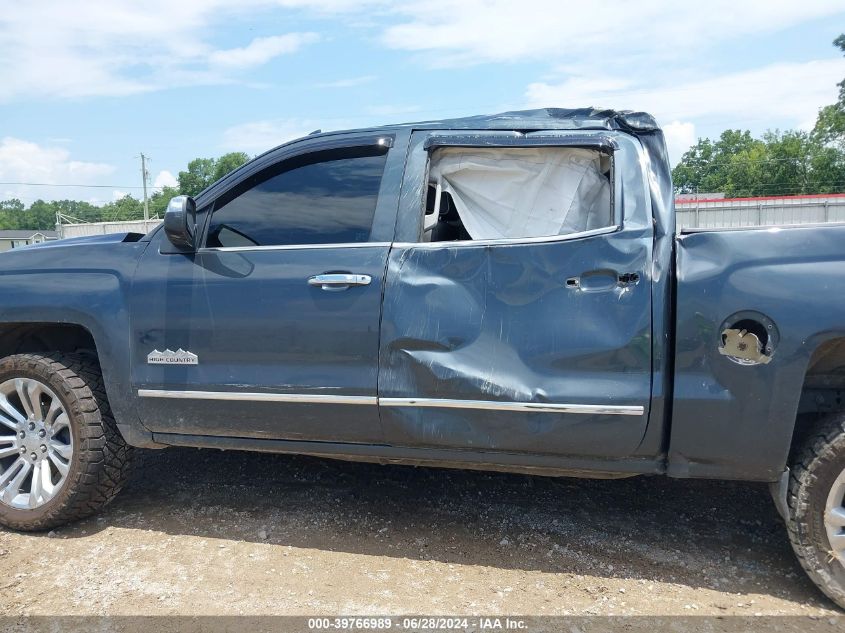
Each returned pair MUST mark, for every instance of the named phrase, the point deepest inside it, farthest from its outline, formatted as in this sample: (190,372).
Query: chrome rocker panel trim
(489,405)
(257,397)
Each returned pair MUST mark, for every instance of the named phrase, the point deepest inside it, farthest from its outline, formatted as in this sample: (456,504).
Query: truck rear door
(534,334)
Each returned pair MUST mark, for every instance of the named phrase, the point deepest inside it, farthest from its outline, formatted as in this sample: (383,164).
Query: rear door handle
(338,281)
(602,280)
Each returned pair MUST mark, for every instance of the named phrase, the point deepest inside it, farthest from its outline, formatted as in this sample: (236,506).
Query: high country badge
(169,357)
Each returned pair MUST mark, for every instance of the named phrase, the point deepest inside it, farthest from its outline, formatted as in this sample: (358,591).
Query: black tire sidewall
(809,521)
(41,370)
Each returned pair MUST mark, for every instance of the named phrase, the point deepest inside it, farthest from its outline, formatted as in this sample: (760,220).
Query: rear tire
(816,493)
(62,395)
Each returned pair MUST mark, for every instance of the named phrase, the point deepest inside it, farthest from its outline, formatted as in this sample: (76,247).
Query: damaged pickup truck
(499,292)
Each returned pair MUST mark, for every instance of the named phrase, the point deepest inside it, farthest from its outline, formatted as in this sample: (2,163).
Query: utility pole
(144,176)
(697,208)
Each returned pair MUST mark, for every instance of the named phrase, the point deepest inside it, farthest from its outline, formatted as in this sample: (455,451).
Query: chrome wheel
(834,518)
(36,443)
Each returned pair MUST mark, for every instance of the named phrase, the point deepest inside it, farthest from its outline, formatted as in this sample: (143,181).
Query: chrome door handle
(602,280)
(338,281)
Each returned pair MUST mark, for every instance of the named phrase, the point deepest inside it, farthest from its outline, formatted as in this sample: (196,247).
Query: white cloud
(351,82)
(477,31)
(165,179)
(259,136)
(117,195)
(23,161)
(261,50)
(788,93)
(652,55)
(120,47)
(680,136)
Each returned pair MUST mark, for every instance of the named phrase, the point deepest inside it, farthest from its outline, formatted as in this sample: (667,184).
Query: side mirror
(180,222)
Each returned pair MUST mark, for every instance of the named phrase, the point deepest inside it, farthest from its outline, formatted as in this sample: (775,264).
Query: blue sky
(86,86)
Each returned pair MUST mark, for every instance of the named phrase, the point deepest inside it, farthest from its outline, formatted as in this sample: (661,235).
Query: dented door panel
(500,324)
(472,331)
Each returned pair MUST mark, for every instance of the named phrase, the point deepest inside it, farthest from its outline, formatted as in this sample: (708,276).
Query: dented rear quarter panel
(734,421)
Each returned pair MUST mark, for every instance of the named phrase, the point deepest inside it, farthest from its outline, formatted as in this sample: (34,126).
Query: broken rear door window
(483,193)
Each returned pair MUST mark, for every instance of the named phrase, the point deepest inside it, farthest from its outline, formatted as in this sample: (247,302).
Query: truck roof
(539,119)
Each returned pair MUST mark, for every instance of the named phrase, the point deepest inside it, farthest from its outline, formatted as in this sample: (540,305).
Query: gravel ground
(209,532)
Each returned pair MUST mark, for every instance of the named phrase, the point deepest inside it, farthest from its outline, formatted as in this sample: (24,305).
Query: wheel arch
(823,387)
(26,337)
(84,335)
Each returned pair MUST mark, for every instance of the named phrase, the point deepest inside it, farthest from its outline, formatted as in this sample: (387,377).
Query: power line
(797,182)
(54,184)
(733,161)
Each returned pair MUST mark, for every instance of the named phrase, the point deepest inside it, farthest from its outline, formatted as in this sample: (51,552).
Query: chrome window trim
(605,230)
(257,397)
(512,240)
(289,247)
(488,405)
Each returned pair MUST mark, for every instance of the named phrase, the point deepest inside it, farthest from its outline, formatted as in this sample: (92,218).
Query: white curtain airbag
(524,192)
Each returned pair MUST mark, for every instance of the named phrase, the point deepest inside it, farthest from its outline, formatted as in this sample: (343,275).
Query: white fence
(811,209)
(103,228)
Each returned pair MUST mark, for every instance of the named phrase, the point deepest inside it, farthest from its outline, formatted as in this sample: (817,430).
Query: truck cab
(356,311)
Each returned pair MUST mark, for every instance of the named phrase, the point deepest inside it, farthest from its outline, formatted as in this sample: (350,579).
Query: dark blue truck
(500,292)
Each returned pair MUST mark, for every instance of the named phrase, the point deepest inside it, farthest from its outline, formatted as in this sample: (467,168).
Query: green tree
(690,173)
(789,163)
(199,175)
(203,172)
(78,210)
(229,162)
(11,213)
(160,199)
(41,215)
(125,208)
(830,125)
(828,169)
(710,165)
(781,163)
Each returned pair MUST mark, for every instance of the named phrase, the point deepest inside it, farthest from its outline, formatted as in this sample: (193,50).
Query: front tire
(816,502)
(61,455)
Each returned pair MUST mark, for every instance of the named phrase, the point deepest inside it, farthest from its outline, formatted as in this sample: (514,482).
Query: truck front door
(270,329)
